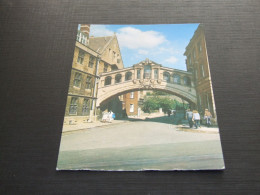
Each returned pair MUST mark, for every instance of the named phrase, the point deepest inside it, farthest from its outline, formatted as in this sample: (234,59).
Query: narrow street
(141,145)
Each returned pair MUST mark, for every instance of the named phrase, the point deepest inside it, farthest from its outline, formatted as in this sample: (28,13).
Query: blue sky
(163,44)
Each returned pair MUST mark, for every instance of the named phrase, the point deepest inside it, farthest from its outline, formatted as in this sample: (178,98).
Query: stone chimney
(85,28)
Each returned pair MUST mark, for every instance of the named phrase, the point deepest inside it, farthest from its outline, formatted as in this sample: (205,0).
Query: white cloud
(142,52)
(170,50)
(100,31)
(171,60)
(133,38)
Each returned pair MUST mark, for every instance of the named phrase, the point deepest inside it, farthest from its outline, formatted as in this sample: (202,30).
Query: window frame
(155,73)
(116,78)
(138,74)
(105,69)
(131,108)
(73,106)
(86,106)
(178,77)
(77,79)
(91,61)
(128,76)
(167,74)
(88,82)
(132,95)
(110,78)
(81,56)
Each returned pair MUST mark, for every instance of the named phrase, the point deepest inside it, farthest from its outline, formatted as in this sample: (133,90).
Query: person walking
(196,118)
(189,116)
(110,115)
(169,113)
(207,116)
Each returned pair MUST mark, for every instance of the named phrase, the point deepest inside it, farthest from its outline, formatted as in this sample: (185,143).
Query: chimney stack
(85,28)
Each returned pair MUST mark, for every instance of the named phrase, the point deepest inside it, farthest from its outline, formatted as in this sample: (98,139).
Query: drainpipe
(93,113)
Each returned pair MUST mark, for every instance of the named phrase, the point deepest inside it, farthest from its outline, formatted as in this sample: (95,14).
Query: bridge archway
(146,75)
(183,91)
(191,103)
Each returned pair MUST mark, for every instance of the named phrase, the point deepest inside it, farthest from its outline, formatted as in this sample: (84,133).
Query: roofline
(107,44)
(200,27)
(119,49)
(86,47)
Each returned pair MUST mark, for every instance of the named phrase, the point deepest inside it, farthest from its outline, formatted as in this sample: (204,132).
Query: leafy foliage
(155,102)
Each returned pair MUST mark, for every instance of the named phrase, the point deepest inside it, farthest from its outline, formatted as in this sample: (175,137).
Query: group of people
(108,116)
(193,118)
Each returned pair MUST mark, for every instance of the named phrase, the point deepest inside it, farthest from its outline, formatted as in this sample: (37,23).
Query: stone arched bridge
(146,75)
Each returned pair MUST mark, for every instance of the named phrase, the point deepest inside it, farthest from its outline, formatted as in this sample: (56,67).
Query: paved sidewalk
(69,128)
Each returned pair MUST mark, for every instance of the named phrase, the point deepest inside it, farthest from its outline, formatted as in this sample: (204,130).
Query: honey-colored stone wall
(112,54)
(197,62)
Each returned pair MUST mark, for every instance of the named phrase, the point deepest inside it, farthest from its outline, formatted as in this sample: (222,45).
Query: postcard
(140,98)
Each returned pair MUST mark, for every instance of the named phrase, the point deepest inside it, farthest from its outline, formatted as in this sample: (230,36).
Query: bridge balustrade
(139,74)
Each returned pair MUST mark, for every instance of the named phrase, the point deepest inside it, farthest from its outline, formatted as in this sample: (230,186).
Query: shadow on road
(161,119)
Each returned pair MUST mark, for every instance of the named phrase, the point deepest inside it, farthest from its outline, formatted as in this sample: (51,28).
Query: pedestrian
(169,113)
(173,113)
(207,116)
(104,116)
(189,116)
(110,116)
(113,116)
(196,118)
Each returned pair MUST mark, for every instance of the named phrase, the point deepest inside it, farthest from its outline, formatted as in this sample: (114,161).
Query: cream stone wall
(112,54)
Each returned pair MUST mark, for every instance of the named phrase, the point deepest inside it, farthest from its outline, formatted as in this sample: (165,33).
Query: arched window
(118,78)
(128,76)
(147,71)
(108,80)
(186,81)
(177,79)
(166,77)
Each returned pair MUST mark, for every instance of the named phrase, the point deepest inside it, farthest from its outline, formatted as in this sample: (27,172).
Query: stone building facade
(197,63)
(92,56)
(130,103)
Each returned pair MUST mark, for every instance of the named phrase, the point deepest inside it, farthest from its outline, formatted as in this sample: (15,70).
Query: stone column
(160,72)
(142,73)
(135,73)
(113,79)
(123,77)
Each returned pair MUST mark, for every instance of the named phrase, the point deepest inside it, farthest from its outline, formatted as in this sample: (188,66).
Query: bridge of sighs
(146,75)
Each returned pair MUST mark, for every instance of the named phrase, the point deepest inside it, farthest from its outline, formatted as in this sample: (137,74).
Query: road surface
(140,145)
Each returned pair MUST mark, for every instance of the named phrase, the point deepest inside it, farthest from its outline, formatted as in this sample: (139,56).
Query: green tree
(154,102)
(150,104)
(166,104)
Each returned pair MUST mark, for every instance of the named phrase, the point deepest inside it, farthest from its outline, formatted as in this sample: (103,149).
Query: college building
(92,56)
(197,63)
